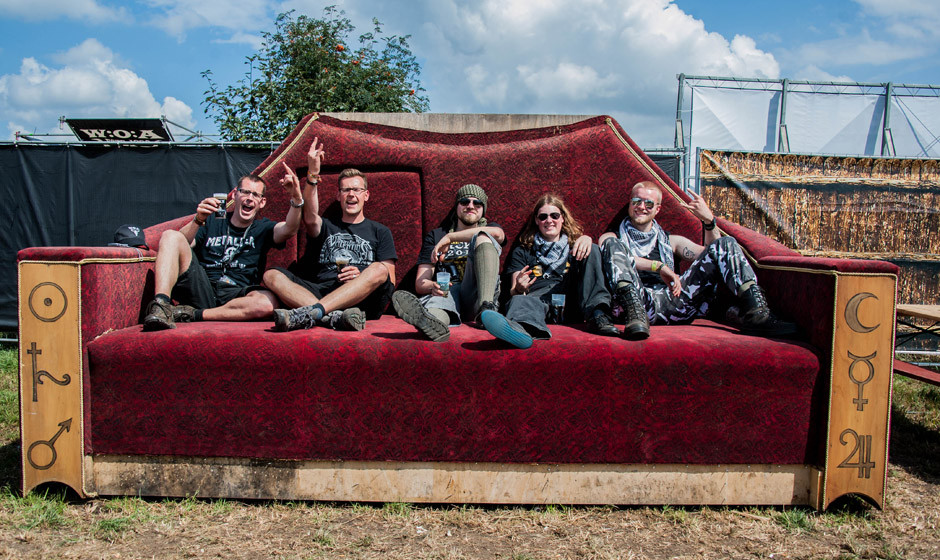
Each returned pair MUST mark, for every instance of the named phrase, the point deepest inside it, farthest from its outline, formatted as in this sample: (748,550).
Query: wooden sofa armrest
(68,296)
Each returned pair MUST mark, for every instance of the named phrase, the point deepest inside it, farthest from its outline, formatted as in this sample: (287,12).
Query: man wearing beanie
(467,247)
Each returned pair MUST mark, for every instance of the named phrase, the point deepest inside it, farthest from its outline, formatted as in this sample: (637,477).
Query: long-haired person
(552,256)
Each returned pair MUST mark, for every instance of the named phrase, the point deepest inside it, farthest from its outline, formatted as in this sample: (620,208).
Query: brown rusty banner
(867,208)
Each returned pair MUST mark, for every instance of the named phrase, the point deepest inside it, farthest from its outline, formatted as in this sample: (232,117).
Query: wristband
(292,205)
(198,223)
(313,180)
(656,266)
(708,226)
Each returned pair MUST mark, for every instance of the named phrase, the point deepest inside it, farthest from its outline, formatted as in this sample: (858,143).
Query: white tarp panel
(834,124)
(915,125)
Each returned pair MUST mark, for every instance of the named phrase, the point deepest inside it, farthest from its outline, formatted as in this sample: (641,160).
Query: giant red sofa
(696,414)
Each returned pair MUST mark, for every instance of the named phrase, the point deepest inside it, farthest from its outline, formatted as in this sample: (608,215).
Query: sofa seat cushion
(694,394)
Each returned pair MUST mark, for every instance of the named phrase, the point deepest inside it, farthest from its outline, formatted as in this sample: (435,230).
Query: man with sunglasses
(467,247)
(212,265)
(347,272)
(640,267)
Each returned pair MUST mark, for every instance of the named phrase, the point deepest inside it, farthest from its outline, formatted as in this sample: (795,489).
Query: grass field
(53,526)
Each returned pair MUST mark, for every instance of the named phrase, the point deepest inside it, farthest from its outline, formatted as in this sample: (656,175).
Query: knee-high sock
(486,270)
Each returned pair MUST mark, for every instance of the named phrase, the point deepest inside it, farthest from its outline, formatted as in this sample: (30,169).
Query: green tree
(306,65)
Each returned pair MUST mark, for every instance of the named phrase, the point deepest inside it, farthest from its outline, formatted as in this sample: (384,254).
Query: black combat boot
(756,318)
(637,325)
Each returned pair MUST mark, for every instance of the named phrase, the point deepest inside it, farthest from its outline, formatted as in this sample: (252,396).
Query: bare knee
(375,275)
(272,277)
(172,239)
(259,304)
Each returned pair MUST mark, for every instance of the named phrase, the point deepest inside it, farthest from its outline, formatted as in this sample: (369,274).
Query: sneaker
(352,319)
(504,329)
(159,316)
(293,319)
(637,324)
(410,310)
(184,313)
(601,323)
(485,306)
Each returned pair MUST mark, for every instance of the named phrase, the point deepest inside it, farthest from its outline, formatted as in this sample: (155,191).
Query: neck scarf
(553,256)
(641,243)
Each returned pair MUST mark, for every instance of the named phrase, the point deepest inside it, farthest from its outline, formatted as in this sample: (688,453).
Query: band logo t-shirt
(236,253)
(361,244)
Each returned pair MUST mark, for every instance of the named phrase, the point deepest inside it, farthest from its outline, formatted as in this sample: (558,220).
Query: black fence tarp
(77,195)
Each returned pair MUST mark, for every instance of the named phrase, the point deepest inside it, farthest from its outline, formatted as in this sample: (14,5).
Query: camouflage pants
(722,261)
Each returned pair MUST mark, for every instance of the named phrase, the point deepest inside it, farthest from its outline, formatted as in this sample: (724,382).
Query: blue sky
(102,58)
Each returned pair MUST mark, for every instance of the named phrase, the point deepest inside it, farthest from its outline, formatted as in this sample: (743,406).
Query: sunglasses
(252,194)
(469,201)
(553,215)
(637,201)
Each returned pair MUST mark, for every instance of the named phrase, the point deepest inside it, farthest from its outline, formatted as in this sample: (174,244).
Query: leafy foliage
(307,64)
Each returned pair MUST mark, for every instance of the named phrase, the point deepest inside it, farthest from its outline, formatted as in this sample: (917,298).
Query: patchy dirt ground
(909,526)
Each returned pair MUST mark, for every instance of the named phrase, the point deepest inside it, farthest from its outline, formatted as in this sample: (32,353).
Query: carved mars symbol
(64,426)
(48,302)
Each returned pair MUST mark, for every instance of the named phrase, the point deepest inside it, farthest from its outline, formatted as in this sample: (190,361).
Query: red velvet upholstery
(697,394)
(384,394)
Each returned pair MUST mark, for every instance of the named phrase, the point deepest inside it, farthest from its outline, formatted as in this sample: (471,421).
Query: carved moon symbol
(53,299)
(851,313)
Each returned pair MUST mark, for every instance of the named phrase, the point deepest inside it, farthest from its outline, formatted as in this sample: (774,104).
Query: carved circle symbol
(851,313)
(56,302)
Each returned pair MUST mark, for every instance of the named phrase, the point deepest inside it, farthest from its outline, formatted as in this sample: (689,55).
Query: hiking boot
(637,324)
(756,318)
(293,319)
(184,313)
(352,319)
(159,316)
(601,323)
(504,329)
(410,310)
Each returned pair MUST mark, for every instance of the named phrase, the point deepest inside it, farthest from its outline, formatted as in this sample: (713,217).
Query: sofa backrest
(413,176)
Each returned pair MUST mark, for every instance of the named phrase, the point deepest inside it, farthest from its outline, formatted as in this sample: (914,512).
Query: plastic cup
(443,281)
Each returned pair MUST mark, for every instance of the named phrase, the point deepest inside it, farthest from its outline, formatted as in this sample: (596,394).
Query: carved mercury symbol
(65,425)
(862,448)
(39,374)
(851,313)
(859,401)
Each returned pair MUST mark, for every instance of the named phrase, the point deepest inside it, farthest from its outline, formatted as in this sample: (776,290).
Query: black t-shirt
(455,261)
(363,244)
(520,257)
(238,253)
(652,279)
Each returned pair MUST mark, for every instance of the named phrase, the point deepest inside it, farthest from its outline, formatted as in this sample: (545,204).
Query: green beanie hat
(475,191)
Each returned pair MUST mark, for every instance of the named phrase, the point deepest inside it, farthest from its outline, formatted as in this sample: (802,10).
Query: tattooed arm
(685,249)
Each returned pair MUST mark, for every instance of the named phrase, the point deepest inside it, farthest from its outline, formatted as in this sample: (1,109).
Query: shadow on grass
(914,446)
(11,475)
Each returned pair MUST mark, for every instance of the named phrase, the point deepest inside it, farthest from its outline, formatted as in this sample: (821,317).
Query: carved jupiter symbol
(862,450)
(39,374)
(65,426)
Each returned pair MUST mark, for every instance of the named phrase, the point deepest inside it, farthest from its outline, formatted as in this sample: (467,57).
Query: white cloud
(89,83)
(617,57)
(859,49)
(42,10)
(177,17)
